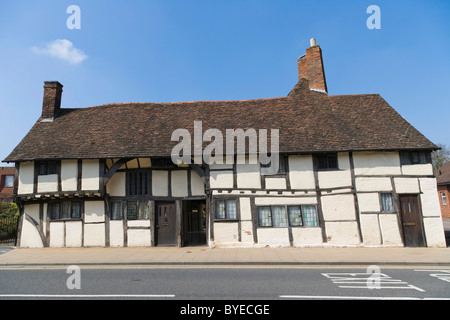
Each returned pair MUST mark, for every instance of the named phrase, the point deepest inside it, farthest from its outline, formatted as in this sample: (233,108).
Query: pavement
(227,256)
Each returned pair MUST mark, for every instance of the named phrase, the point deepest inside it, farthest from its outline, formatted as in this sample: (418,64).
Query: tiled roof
(443,174)
(308,121)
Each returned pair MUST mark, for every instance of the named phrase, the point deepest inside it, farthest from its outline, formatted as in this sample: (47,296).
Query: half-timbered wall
(344,201)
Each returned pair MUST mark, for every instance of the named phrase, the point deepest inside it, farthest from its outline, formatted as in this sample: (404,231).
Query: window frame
(218,219)
(5,181)
(59,205)
(289,224)
(283,166)
(443,198)
(406,157)
(392,201)
(138,202)
(328,155)
(47,167)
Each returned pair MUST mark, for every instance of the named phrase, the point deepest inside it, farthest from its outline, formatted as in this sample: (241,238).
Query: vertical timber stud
(178,226)
(355,196)
(319,200)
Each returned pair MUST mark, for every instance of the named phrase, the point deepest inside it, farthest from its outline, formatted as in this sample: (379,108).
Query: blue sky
(165,51)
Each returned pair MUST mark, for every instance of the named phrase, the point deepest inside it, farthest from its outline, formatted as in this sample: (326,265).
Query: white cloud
(62,49)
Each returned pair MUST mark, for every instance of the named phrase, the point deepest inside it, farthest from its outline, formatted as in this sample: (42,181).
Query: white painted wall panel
(342,233)
(57,234)
(275,183)
(74,234)
(425,169)
(69,175)
(221,179)
(94,235)
(370,229)
(273,237)
(406,185)
(301,173)
(267,201)
(304,237)
(373,184)
(90,175)
(138,237)
(179,183)
(94,211)
(434,232)
(248,176)
(429,197)
(376,163)
(390,230)
(116,237)
(160,183)
(338,207)
(116,186)
(197,184)
(369,202)
(226,233)
(47,183)
(26,177)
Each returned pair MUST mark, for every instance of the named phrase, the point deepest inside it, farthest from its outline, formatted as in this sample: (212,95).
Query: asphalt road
(225,283)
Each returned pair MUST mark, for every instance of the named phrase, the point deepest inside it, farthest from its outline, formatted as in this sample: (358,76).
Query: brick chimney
(310,67)
(52,99)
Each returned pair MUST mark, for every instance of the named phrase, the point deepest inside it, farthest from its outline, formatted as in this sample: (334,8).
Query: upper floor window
(47,167)
(415,157)
(327,161)
(444,198)
(282,164)
(9,182)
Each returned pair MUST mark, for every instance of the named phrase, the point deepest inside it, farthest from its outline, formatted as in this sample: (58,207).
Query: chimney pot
(313,42)
(52,99)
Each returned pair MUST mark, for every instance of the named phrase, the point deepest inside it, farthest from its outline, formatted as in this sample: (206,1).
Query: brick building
(443,187)
(6,183)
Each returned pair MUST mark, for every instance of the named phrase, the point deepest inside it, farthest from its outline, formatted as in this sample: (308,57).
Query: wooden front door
(411,221)
(165,224)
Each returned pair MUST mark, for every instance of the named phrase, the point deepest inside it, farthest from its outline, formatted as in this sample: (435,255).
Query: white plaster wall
(145,162)
(26,177)
(94,234)
(197,184)
(245,208)
(342,233)
(132,164)
(47,183)
(226,233)
(275,183)
(304,237)
(116,238)
(138,237)
(429,197)
(301,173)
(370,229)
(267,201)
(69,175)
(29,237)
(32,210)
(373,184)
(406,185)
(221,179)
(74,234)
(57,234)
(179,183)
(248,176)
(247,233)
(376,163)
(116,186)
(94,211)
(369,202)
(425,169)
(160,183)
(338,207)
(434,232)
(273,237)
(390,230)
(90,173)
(334,179)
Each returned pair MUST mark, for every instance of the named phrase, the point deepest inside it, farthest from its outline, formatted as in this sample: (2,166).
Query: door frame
(419,219)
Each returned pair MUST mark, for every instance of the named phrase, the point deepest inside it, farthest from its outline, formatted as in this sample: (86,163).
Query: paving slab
(220,256)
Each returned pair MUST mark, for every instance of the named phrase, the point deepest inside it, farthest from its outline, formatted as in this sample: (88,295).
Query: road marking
(444,275)
(356,298)
(368,281)
(87,295)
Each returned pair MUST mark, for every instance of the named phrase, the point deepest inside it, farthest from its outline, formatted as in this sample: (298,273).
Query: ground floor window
(387,203)
(138,210)
(279,216)
(226,209)
(65,210)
